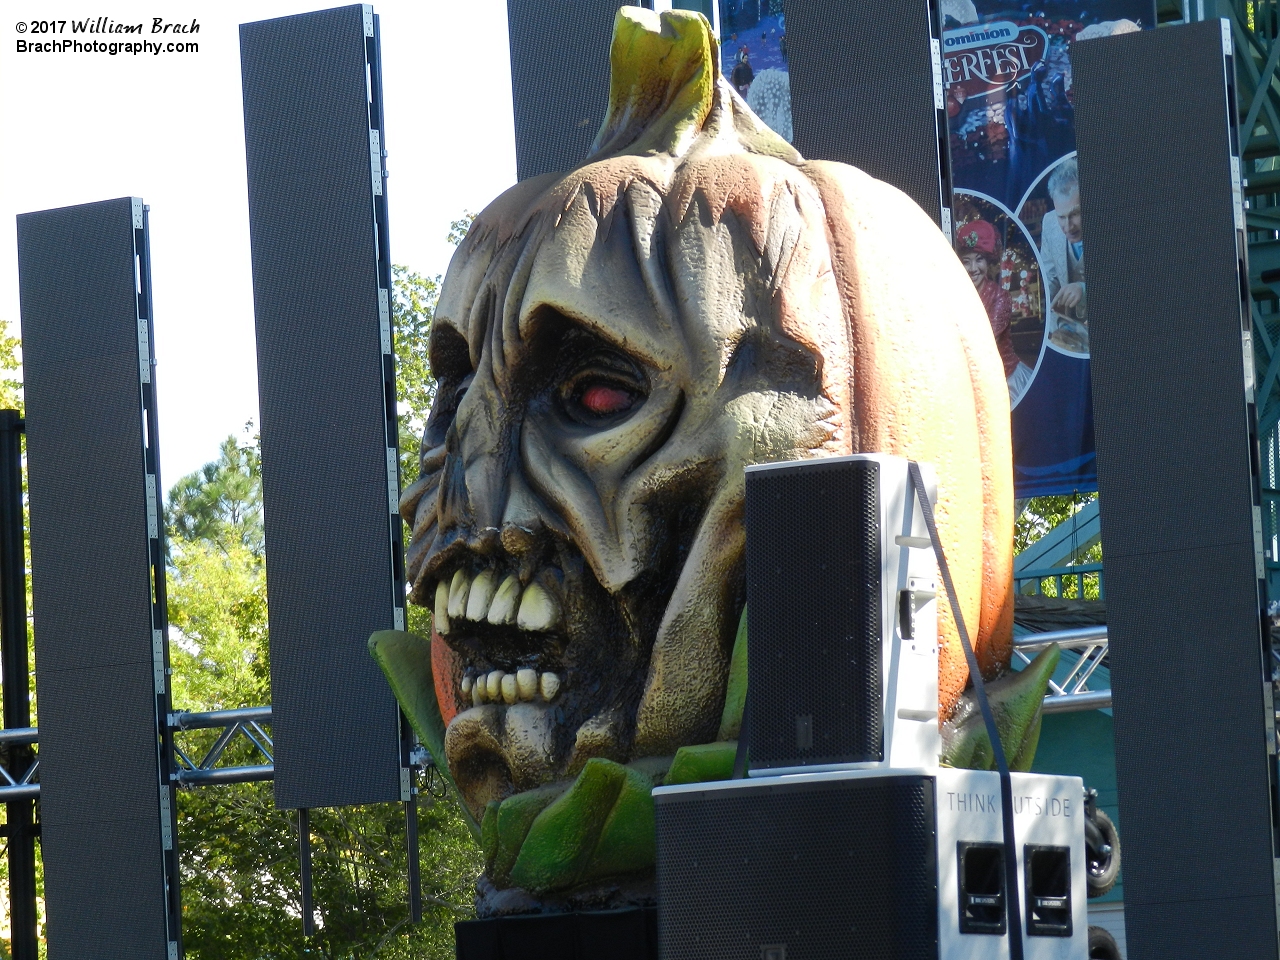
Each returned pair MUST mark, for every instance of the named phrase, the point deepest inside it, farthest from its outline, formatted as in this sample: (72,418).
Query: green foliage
(458,228)
(221,503)
(240,871)
(413,305)
(1038,516)
(10,363)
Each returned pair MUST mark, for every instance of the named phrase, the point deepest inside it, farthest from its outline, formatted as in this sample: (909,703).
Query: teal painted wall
(1082,745)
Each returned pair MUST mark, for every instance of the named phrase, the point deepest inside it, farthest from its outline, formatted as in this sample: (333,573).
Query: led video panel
(100,680)
(866,89)
(1174,420)
(559,79)
(321,287)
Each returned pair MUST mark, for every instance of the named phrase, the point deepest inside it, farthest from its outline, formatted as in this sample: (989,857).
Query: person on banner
(1040,119)
(978,245)
(743,73)
(1062,256)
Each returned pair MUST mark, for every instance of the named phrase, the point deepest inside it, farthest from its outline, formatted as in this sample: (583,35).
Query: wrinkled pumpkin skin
(613,346)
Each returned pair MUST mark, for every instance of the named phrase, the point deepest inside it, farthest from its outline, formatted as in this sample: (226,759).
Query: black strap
(980,693)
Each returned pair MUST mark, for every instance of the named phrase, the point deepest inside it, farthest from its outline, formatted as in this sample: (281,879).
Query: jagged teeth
(458,594)
(538,611)
(498,686)
(526,683)
(505,602)
(482,590)
(549,684)
(441,619)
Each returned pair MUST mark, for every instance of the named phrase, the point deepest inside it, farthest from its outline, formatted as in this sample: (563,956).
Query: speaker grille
(813,608)
(832,869)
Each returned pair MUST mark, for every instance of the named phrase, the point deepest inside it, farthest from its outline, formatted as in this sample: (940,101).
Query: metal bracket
(1226,31)
(384,319)
(157,659)
(935,55)
(166,818)
(368,19)
(375,161)
(153,509)
(138,208)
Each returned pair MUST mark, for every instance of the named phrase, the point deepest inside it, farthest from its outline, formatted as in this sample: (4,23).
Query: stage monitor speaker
(559,80)
(314,146)
(97,573)
(842,615)
(866,89)
(1179,494)
(893,864)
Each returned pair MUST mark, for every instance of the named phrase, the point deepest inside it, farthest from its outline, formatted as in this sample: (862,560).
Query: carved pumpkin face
(612,347)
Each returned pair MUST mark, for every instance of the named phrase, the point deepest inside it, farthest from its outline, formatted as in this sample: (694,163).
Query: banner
(1016,211)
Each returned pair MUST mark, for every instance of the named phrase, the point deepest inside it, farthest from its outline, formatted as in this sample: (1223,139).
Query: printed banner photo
(1016,212)
(1018,231)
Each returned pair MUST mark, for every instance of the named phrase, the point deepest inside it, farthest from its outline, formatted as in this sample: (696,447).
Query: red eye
(604,400)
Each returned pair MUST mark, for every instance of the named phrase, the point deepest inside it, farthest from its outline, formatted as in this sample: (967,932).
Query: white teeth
(538,611)
(493,685)
(526,683)
(482,589)
(505,602)
(441,619)
(550,685)
(458,594)
(498,686)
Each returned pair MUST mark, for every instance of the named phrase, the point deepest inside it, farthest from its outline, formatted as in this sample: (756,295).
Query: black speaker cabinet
(841,612)
(868,864)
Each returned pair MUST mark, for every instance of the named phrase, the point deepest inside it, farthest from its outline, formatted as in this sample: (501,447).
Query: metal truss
(1073,693)
(25,787)
(246,723)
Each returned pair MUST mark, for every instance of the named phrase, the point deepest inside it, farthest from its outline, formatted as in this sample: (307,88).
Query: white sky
(169,129)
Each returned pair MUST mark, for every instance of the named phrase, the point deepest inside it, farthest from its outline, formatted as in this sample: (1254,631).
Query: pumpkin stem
(664,69)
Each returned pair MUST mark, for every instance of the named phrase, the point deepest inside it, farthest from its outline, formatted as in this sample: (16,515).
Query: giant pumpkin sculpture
(613,345)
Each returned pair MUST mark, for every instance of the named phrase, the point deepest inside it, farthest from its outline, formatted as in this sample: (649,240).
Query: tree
(1039,515)
(240,872)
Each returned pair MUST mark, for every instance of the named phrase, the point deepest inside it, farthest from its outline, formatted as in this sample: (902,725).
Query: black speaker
(872,864)
(832,546)
(1179,492)
(866,89)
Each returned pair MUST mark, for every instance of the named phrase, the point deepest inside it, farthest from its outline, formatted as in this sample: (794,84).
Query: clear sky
(169,128)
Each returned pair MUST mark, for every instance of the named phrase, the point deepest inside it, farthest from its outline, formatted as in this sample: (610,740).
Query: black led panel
(866,89)
(816,680)
(321,282)
(96,544)
(793,868)
(559,79)
(1178,490)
